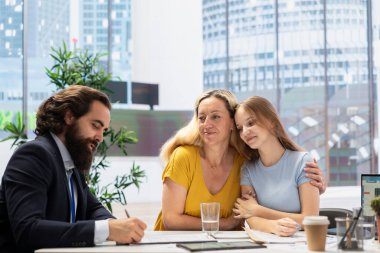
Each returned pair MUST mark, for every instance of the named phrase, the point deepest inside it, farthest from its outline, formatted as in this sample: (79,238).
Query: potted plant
(375,205)
(82,68)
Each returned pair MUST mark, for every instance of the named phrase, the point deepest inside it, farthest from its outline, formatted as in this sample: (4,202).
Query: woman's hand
(314,173)
(284,227)
(231,223)
(245,206)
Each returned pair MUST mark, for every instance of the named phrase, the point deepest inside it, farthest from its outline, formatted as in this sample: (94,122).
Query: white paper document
(231,235)
(158,238)
(271,238)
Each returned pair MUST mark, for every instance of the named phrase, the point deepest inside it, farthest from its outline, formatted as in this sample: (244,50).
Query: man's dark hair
(75,98)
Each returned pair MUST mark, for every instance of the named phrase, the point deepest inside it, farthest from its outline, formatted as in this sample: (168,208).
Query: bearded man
(44,199)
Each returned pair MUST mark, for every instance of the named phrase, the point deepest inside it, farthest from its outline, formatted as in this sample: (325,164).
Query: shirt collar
(66,157)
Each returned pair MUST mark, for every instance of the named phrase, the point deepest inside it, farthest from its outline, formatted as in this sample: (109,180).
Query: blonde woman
(203,166)
(274,172)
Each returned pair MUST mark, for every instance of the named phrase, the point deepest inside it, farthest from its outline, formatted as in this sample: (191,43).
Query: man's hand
(126,230)
(314,173)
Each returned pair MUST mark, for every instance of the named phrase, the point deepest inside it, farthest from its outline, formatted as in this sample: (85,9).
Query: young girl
(276,195)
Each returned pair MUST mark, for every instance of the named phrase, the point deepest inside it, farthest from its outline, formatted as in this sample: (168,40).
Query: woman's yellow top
(184,168)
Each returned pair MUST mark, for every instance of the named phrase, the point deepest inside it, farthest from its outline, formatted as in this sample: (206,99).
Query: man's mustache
(94,144)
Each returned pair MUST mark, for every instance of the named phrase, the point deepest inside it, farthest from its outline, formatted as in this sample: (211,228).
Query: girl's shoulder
(298,155)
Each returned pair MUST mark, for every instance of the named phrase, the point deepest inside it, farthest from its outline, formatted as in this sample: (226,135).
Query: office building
(94,33)
(46,25)
(311,60)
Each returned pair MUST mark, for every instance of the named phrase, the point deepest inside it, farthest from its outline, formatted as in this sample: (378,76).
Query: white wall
(167,49)
(150,189)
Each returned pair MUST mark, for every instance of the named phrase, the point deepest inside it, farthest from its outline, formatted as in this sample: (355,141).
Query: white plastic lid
(315,220)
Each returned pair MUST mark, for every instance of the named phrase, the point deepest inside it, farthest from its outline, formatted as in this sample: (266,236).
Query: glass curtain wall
(311,59)
(301,73)
(348,91)
(47,26)
(10,60)
(44,24)
(95,18)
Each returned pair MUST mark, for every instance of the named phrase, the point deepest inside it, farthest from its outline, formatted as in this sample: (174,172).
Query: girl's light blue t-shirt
(277,186)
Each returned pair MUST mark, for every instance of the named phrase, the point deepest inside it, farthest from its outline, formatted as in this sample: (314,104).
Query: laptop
(370,188)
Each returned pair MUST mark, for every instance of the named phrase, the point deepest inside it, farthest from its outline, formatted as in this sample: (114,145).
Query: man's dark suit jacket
(35,204)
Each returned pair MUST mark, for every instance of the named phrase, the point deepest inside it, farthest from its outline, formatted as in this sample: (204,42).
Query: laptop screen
(370,188)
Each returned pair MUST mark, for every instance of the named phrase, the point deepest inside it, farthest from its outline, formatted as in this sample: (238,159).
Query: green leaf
(84,68)
(17,131)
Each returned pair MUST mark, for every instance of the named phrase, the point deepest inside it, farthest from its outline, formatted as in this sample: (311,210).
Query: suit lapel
(61,171)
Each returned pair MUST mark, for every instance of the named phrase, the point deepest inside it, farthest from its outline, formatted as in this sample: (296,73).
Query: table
(109,247)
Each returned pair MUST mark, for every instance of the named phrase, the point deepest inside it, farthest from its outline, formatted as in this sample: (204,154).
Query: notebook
(205,246)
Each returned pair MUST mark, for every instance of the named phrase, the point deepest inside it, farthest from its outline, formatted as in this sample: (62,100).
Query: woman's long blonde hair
(189,134)
(267,117)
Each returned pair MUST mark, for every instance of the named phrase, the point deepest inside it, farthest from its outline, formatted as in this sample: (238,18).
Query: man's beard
(79,148)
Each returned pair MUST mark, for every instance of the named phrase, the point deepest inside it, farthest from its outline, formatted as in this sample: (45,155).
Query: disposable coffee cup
(316,231)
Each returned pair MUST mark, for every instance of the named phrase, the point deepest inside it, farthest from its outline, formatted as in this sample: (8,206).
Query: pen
(349,231)
(126,212)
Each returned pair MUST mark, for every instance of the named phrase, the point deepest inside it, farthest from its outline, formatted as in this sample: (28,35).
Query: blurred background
(318,61)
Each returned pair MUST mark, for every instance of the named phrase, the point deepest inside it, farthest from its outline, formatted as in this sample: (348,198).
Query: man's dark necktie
(72,198)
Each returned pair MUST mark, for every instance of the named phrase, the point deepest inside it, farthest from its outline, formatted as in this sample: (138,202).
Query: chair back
(332,213)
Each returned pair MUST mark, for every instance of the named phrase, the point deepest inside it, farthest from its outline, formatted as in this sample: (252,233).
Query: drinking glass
(368,224)
(210,217)
(351,241)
